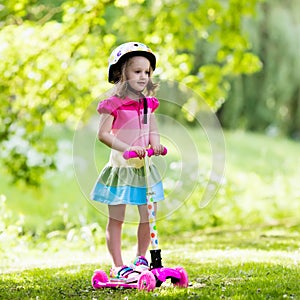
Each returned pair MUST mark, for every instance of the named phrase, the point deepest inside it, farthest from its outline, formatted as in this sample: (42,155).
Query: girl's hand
(140,151)
(158,149)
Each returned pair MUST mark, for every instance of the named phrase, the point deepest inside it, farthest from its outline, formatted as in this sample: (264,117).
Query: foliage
(220,264)
(11,228)
(59,230)
(54,54)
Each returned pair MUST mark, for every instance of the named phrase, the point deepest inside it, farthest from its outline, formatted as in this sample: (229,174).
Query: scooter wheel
(99,276)
(146,281)
(184,280)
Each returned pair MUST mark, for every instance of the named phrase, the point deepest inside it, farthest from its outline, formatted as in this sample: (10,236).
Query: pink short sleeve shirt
(128,125)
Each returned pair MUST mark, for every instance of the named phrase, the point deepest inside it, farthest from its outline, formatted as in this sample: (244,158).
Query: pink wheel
(99,277)
(146,281)
(184,280)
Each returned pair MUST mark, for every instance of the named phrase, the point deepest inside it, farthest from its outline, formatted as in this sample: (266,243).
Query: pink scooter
(157,274)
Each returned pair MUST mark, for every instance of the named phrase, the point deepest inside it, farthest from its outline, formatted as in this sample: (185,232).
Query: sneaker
(125,274)
(140,264)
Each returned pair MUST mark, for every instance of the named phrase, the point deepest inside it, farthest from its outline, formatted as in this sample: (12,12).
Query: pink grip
(150,152)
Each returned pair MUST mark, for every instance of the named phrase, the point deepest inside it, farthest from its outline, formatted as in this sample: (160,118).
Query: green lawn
(243,245)
(261,263)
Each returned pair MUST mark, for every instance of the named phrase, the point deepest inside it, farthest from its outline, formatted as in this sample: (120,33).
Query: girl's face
(138,72)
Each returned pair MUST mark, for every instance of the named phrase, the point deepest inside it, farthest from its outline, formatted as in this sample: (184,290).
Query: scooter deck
(115,284)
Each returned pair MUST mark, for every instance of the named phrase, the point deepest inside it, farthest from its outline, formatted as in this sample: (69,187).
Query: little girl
(127,122)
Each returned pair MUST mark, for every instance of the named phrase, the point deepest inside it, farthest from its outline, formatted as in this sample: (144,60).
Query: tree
(270,99)
(54,61)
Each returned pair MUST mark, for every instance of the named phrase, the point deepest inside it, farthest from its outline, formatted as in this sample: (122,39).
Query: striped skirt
(127,185)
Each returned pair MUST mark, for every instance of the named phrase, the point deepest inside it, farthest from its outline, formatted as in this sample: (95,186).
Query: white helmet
(119,55)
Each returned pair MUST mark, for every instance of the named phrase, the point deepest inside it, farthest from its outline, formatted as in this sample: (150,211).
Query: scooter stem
(155,259)
(150,206)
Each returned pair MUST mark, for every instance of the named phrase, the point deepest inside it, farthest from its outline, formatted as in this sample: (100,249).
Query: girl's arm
(105,136)
(155,137)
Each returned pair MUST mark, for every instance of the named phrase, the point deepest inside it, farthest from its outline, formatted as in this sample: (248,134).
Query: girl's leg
(114,233)
(143,232)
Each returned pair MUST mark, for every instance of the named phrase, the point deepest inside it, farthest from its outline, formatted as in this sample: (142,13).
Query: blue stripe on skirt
(114,195)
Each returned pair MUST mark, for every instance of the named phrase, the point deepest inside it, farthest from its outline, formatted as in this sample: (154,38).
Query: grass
(222,264)
(244,245)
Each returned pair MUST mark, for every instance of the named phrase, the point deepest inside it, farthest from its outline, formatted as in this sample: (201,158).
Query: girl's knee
(117,213)
(115,222)
(143,211)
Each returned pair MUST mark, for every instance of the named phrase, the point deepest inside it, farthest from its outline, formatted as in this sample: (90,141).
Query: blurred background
(240,59)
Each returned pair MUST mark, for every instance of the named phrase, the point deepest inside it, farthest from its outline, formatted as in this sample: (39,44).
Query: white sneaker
(125,274)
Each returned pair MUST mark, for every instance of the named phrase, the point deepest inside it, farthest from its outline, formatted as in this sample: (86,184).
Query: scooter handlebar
(150,152)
